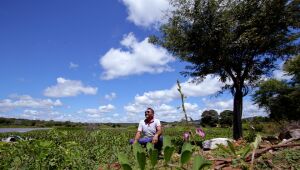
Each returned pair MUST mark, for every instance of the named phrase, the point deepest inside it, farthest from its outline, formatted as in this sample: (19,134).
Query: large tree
(210,118)
(236,40)
(281,98)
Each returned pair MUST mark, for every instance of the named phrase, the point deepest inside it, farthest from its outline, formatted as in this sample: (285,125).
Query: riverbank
(21,130)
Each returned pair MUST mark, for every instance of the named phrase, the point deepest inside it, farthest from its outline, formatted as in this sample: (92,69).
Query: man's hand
(155,139)
(137,137)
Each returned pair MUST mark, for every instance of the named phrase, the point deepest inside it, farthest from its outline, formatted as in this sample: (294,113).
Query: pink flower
(200,132)
(186,136)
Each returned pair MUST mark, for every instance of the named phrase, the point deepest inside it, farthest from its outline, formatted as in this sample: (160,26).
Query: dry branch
(259,152)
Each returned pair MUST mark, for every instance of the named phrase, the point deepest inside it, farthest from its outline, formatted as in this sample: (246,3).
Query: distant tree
(281,98)
(236,40)
(292,67)
(226,118)
(210,118)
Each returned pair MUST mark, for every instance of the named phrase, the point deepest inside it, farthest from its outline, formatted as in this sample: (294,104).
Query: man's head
(149,113)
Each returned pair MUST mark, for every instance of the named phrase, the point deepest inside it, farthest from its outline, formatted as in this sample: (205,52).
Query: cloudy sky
(90,61)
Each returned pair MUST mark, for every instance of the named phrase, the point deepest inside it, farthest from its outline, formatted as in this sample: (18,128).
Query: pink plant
(186,136)
(200,132)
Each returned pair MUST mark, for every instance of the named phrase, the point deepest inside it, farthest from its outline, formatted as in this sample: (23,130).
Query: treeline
(211,118)
(14,122)
(39,123)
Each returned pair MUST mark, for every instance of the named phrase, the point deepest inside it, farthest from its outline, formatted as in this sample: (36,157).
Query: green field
(81,148)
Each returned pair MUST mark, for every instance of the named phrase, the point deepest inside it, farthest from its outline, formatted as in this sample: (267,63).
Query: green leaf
(153,154)
(137,148)
(168,151)
(200,163)
(139,155)
(231,147)
(245,151)
(153,157)
(124,161)
(44,144)
(224,149)
(257,141)
(141,158)
(167,148)
(167,141)
(149,146)
(186,153)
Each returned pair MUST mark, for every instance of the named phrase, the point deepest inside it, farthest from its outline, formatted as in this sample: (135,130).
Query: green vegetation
(210,118)
(281,98)
(238,41)
(69,148)
(84,148)
(226,118)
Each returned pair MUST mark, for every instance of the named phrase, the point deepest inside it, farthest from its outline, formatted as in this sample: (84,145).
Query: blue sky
(90,61)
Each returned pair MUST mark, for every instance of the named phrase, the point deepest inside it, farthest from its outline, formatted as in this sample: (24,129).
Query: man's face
(148,114)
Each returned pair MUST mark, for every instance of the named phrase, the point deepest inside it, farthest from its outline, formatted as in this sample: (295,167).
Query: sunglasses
(147,111)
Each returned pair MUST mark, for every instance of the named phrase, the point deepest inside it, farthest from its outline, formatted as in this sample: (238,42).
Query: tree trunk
(237,114)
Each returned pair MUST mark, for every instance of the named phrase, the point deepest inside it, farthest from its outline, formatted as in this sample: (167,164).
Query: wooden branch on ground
(259,152)
(289,140)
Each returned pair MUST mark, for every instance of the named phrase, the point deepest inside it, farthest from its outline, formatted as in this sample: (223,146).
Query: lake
(5,130)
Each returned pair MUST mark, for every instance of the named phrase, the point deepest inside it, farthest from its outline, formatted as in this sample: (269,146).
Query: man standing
(151,130)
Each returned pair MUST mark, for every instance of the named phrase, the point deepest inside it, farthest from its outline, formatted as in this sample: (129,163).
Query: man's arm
(137,137)
(157,134)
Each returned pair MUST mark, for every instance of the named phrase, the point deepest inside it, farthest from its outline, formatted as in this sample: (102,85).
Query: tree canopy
(237,40)
(210,118)
(281,98)
(226,118)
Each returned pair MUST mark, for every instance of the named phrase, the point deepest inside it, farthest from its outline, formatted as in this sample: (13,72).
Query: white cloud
(73,65)
(159,99)
(249,109)
(220,105)
(146,12)
(209,86)
(26,101)
(140,57)
(67,88)
(107,108)
(110,96)
(281,75)
(97,112)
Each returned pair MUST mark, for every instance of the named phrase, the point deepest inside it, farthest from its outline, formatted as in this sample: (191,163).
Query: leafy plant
(168,149)
(140,155)
(200,163)
(153,154)
(237,154)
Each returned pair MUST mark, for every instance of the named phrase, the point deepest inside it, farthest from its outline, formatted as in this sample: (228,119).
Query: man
(151,130)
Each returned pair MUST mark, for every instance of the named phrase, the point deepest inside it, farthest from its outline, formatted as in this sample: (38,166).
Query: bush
(226,118)
(210,118)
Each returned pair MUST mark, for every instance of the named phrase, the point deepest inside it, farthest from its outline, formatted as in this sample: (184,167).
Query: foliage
(235,40)
(237,153)
(226,118)
(280,98)
(284,159)
(292,67)
(64,149)
(186,157)
(210,118)
(78,148)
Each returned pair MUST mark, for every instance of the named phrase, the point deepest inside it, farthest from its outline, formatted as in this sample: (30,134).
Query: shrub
(226,118)
(210,118)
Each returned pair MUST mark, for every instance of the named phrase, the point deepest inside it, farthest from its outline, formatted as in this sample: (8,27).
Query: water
(5,130)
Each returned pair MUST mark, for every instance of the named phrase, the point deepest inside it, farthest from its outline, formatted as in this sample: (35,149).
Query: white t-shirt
(148,130)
